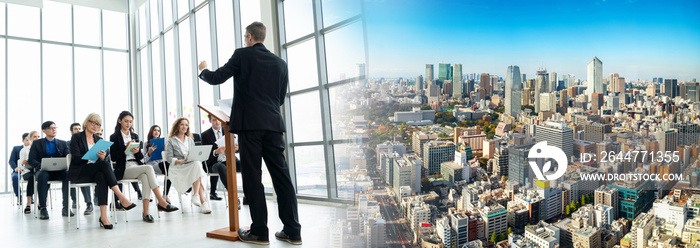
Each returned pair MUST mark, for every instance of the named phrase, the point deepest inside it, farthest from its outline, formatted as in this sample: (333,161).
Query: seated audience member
(49,147)
(29,176)
(130,166)
(217,158)
(99,171)
(17,163)
(75,128)
(158,165)
(184,173)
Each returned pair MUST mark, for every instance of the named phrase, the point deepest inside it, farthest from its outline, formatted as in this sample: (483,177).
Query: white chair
(77,187)
(214,174)
(125,185)
(165,181)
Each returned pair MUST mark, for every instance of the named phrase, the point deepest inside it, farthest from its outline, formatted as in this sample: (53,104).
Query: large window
(324,44)
(58,69)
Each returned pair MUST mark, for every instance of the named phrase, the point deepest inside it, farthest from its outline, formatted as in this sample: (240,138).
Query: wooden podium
(231,232)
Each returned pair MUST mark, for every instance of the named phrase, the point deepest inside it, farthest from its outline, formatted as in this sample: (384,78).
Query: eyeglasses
(95,123)
(50,128)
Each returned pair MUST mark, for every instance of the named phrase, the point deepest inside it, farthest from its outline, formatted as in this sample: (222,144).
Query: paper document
(221,142)
(160,147)
(101,145)
(225,105)
(133,145)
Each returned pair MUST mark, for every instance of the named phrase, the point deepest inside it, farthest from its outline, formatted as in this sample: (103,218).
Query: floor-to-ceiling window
(58,60)
(324,44)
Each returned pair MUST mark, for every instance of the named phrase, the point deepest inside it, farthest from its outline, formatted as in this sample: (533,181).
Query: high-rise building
(469,86)
(570,80)
(428,73)
(420,138)
(692,91)
(612,82)
(407,173)
(501,161)
(444,72)
(670,86)
(419,84)
(485,81)
(513,94)
(612,101)
(608,197)
(552,198)
(596,103)
(553,81)
(541,83)
(433,92)
(620,85)
(519,169)
(634,197)
(543,235)
(457,81)
(587,237)
(548,102)
(375,232)
(668,140)
(556,134)
(545,80)
(641,231)
(435,153)
(563,99)
(595,132)
(495,217)
(671,211)
(460,227)
(688,133)
(595,77)
(360,72)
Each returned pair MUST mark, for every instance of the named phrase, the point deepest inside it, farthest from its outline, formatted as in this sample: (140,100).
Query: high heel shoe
(110,226)
(133,205)
(169,208)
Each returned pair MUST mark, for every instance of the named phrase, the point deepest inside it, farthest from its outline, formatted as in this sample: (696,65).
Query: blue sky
(637,39)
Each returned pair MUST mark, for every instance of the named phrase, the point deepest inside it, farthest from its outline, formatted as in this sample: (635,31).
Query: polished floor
(171,230)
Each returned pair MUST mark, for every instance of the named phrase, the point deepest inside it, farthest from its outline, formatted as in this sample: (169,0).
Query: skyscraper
(670,86)
(428,73)
(553,81)
(419,84)
(519,169)
(485,84)
(470,86)
(556,134)
(668,140)
(444,72)
(595,77)
(360,72)
(545,80)
(457,81)
(620,85)
(571,80)
(612,82)
(435,153)
(513,94)
(596,102)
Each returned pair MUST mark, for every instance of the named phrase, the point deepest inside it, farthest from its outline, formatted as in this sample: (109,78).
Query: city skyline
(636,39)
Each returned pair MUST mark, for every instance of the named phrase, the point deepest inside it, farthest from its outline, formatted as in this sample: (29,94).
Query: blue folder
(160,147)
(101,145)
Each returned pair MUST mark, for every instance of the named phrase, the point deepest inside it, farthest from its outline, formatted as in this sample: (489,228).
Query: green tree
(502,237)
(583,200)
(572,207)
(493,237)
(509,231)
(567,210)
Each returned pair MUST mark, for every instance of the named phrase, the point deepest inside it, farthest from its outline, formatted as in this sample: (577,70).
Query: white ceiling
(114,5)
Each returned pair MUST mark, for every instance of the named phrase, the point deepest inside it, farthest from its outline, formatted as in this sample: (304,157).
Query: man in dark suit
(49,147)
(260,85)
(217,158)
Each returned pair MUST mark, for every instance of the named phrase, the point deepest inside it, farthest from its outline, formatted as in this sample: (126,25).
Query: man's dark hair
(73,125)
(210,117)
(257,30)
(24,136)
(47,124)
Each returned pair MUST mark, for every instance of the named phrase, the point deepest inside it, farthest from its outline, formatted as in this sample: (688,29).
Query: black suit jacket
(118,156)
(260,80)
(78,148)
(209,138)
(38,152)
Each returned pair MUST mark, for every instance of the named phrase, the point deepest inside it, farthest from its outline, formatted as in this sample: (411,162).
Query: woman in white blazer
(183,173)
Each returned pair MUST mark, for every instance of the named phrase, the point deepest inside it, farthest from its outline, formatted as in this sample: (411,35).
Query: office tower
(670,86)
(388,148)
(620,85)
(444,72)
(485,82)
(553,82)
(671,211)
(548,102)
(612,100)
(501,161)
(443,230)
(453,172)
(545,77)
(634,197)
(556,134)
(595,77)
(514,87)
(596,103)
(457,81)
(651,90)
(688,133)
(563,99)
(552,199)
(375,232)
(668,140)
(523,77)
(447,87)
(540,84)
(571,80)
(460,227)
(494,84)
(428,73)
(495,217)
(435,153)
(612,82)
(420,138)
(595,132)
(407,173)
(360,72)
(519,169)
(470,86)
(419,84)
(527,94)
(433,92)
(641,231)
(608,197)
(658,81)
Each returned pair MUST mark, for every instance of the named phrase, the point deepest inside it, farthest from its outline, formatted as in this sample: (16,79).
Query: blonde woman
(183,173)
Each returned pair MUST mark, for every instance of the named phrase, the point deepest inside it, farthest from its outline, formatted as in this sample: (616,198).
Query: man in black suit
(49,147)
(260,85)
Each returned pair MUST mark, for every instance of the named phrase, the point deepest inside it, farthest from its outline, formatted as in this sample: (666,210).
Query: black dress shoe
(109,227)
(133,205)
(168,209)
(119,207)
(65,212)
(44,214)
(215,197)
(148,218)
(289,239)
(246,236)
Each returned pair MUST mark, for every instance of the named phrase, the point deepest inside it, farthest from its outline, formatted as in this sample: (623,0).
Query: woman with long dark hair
(159,165)
(129,164)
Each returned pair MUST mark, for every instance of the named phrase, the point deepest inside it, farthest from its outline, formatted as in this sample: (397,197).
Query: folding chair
(77,187)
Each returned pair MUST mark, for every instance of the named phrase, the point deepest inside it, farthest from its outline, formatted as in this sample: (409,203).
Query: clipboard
(133,145)
(160,147)
(101,145)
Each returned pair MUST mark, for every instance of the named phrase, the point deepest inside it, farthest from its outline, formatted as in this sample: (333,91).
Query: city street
(397,228)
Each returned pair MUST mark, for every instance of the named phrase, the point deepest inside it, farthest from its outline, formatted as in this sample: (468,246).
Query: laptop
(54,164)
(199,153)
